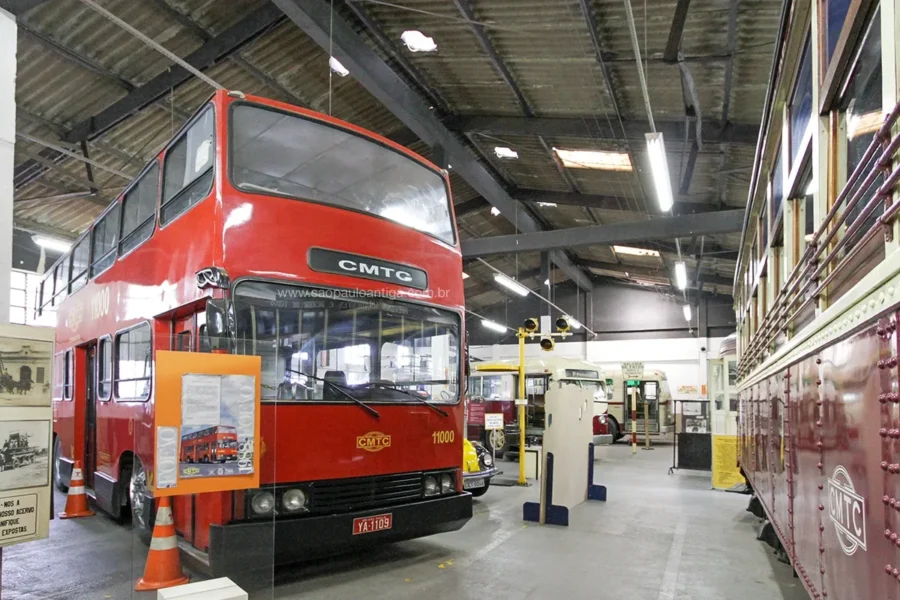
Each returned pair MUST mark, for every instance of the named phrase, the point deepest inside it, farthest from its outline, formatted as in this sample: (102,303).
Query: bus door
(90,415)
(647,401)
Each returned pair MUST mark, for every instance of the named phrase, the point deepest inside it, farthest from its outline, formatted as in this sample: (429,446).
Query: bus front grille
(345,495)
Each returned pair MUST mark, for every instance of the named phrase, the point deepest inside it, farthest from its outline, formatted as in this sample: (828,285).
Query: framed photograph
(24,454)
(24,371)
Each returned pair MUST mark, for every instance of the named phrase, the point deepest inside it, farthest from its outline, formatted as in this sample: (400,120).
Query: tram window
(650,390)
(801,104)
(79,263)
(189,168)
(777,188)
(864,116)
(104,368)
(138,210)
(133,363)
(835,15)
(105,236)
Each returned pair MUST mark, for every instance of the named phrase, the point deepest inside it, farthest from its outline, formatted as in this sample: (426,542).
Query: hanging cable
(153,44)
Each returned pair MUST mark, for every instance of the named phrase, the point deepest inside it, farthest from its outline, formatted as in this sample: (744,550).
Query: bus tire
(139,500)
(57,479)
(614,429)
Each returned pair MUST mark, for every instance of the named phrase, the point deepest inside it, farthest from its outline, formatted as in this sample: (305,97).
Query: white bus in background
(493,385)
(654,395)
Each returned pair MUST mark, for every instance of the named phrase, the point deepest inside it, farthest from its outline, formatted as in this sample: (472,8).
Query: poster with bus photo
(217,425)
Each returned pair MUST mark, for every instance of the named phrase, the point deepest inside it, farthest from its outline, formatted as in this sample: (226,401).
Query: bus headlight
(447,484)
(263,503)
(431,486)
(294,500)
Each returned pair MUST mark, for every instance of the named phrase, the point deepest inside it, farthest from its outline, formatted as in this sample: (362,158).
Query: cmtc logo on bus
(847,510)
(374,441)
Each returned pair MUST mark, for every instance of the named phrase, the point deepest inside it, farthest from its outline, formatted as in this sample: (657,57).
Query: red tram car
(817,296)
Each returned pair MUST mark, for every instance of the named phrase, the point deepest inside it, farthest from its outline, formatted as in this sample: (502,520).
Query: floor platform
(658,537)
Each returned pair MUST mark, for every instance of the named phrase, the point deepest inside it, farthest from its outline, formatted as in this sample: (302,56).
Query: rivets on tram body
(883,432)
(821,507)
(884,465)
(818,382)
(887,569)
(885,499)
(821,528)
(820,486)
(818,361)
(882,398)
(821,466)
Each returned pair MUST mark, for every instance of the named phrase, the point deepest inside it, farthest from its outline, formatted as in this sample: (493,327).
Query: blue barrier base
(594,492)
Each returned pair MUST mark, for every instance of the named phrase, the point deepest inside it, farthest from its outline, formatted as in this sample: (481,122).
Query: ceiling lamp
(680,275)
(495,211)
(51,243)
(594,159)
(417,41)
(465,275)
(656,148)
(493,326)
(687,312)
(511,284)
(337,67)
(504,152)
(635,251)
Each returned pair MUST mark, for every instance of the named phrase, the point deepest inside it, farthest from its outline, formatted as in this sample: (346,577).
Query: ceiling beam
(42,228)
(331,31)
(660,273)
(673,45)
(211,52)
(20,7)
(598,127)
(620,233)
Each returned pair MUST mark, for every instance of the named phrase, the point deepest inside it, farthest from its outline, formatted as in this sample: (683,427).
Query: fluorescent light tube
(511,284)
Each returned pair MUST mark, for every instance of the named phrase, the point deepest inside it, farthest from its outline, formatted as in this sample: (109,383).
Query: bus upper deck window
(188,167)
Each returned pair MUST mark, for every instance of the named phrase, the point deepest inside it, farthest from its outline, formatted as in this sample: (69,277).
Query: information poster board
(725,471)
(25,433)
(493,421)
(633,370)
(207,423)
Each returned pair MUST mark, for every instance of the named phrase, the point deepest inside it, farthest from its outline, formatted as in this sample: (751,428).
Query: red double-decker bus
(332,254)
(209,445)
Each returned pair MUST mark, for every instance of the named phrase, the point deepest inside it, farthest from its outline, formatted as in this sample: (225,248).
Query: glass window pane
(835,15)
(106,237)
(801,104)
(778,184)
(277,153)
(317,347)
(864,117)
(17,315)
(138,209)
(189,167)
(133,361)
(104,368)
(17,279)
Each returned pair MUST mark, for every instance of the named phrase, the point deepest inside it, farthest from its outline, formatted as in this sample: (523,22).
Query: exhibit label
(18,518)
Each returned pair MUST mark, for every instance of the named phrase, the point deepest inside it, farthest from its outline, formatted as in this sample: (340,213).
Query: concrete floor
(659,537)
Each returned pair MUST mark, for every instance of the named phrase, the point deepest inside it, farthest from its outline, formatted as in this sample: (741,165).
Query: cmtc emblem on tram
(847,510)
(374,441)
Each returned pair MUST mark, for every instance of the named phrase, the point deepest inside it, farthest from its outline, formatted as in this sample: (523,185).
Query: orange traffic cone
(163,562)
(76,501)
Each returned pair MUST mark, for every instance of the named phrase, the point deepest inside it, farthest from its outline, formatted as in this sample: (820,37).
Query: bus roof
(558,366)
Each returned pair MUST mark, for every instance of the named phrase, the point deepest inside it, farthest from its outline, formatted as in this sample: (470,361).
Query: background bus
(266,229)
(654,395)
(493,387)
(213,444)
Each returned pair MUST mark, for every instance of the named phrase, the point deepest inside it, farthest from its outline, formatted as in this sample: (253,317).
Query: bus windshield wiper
(343,391)
(416,397)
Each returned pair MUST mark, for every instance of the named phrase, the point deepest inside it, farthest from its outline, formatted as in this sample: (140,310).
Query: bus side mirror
(216,318)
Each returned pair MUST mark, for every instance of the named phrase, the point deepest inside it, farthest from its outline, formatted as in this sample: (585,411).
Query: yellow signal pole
(521,396)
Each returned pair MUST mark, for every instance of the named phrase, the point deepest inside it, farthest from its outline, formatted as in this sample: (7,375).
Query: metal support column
(8,41)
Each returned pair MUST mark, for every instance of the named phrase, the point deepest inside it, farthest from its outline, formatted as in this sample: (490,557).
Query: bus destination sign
(366,267)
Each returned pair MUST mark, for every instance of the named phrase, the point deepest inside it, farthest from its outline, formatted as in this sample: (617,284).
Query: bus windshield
(280,153)
(314,341)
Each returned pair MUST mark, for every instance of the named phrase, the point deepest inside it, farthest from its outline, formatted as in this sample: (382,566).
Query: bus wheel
(613,426)
(57,479)
(141,503)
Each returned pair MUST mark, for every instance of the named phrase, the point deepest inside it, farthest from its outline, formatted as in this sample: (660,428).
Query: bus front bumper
(256,546)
